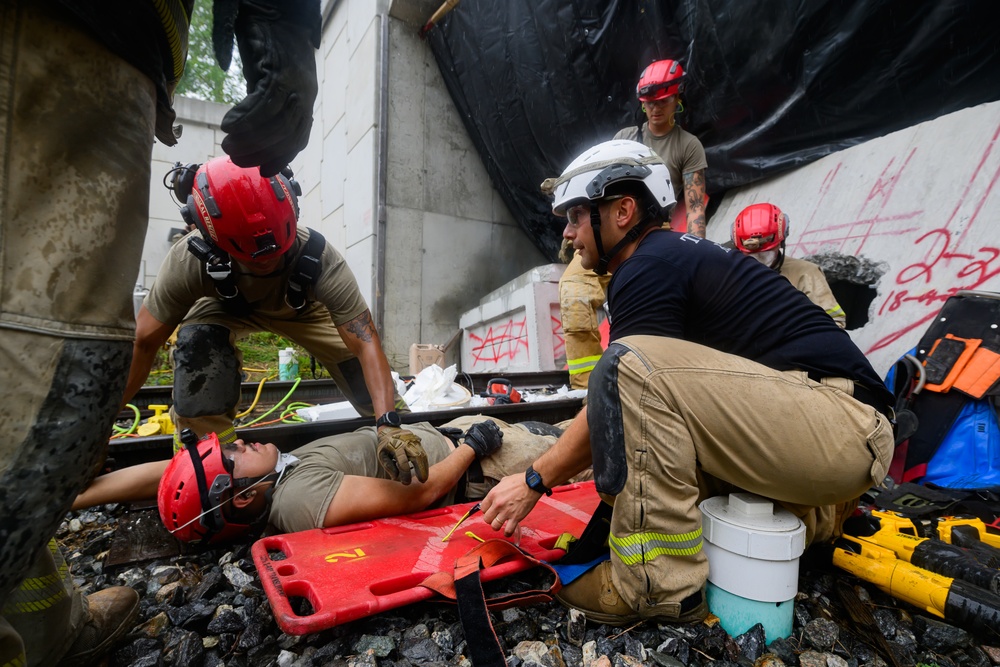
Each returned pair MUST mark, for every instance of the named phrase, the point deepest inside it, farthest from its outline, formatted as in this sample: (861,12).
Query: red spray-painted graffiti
(944,260)
(943,257)
(501,342)
(964,271)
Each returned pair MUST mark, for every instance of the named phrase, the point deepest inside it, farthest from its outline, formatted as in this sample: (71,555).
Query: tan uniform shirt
(301,500)
(808,278)
(182,283)
(680,151)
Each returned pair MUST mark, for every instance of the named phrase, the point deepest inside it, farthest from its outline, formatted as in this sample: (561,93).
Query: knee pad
(206,373)
(607,428)
(541,428)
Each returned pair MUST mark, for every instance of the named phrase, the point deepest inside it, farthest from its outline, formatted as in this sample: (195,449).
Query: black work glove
(397,449)
(484,437)
(277,43)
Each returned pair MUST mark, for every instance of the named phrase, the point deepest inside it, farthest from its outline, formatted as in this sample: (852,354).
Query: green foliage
(260,359)
(203,79)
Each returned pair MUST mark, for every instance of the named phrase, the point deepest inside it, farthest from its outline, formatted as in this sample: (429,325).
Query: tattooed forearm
(362,327)
(694,197)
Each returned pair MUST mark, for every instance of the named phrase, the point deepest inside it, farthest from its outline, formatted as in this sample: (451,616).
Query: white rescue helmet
(589,175)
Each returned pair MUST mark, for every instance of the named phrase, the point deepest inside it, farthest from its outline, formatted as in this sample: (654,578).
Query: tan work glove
(397,449)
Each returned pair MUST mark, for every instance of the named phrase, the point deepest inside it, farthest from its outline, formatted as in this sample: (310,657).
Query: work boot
(595,595)
(113,612)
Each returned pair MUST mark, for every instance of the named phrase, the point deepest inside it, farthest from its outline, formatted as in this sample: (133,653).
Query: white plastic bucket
(753,559)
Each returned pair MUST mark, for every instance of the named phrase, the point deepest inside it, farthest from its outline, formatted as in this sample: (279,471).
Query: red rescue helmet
(759,228)
(660,79)
(250,217)
(193,491)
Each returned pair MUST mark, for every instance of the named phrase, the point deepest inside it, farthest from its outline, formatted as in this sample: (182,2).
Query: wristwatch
(389,419)
(534,481)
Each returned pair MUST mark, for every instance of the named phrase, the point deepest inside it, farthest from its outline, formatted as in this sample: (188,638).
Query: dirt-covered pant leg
(669,409)
(76,133)
(44,602)
(207,376)
(581,294)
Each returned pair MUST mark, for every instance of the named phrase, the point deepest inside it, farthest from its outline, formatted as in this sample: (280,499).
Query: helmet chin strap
(781,256)
(630,236)
(595,223)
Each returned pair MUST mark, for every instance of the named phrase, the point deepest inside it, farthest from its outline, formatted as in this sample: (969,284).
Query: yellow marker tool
(472,510)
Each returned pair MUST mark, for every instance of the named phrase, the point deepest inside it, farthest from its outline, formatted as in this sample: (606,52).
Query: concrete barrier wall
(516,328)
(918,207)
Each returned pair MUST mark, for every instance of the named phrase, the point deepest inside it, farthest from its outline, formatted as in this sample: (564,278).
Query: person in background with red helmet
(85,86)
(582,291)
(249,267)
(760,231)
(659,91)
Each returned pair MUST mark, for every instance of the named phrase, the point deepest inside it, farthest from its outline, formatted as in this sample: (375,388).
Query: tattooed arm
(694,197)
(362,340)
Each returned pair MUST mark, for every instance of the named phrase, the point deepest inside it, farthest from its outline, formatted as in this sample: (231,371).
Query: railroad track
(130,451)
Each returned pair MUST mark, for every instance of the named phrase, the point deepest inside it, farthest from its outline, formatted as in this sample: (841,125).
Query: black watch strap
(534,481)
(388,419)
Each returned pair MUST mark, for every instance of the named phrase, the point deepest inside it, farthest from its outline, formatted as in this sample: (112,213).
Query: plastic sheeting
(771,85)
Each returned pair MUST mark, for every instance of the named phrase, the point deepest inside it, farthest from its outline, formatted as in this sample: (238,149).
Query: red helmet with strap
(660,79)
(759,228)
(250,217)
(194,490)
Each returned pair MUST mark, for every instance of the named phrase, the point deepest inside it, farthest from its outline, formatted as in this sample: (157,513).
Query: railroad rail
(124,452)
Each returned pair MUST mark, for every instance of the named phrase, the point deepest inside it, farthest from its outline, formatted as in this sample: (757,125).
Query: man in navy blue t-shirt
(720,376)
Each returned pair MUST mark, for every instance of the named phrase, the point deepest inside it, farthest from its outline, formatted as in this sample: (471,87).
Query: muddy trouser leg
(668,412)
(314,330)
(76,133)
(581,295)
(207,376)
(68,393)
(46,602)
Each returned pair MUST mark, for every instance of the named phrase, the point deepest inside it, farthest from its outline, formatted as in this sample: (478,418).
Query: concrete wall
(449,237)
(918,208)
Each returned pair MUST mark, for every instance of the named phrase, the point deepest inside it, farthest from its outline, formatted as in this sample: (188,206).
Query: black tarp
(771,85)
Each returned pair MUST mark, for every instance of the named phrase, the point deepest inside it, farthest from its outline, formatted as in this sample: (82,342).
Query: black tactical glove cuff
(484,437)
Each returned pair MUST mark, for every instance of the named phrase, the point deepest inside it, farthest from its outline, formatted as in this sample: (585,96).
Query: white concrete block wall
(922,202)
(449,237)
(345,119)
(517,327)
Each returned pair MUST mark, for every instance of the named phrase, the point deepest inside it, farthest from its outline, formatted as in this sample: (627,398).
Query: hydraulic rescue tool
(954,600)
(899,535)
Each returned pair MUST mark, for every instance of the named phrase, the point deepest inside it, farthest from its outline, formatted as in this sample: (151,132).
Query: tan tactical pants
(692,417)
(581,295)
(76,134)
